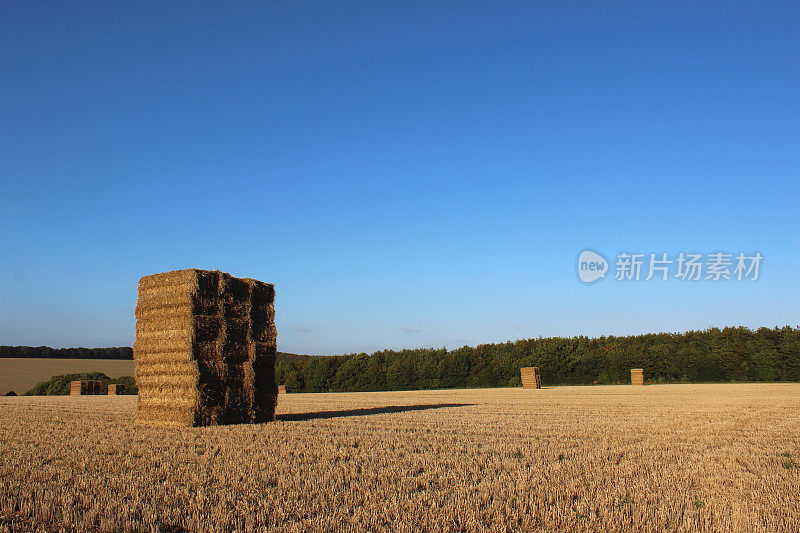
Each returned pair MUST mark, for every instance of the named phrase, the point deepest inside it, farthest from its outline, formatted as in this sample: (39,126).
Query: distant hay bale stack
(84,388)
(637,376)
(530,377)
(116,388)
(205,349)
(281,389)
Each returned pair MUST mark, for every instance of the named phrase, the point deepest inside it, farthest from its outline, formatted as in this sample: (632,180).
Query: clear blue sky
(407,174)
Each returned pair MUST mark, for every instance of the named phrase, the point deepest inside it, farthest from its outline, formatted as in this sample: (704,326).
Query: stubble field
(619,458)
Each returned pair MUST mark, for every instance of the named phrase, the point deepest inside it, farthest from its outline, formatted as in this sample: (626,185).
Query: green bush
(59,385)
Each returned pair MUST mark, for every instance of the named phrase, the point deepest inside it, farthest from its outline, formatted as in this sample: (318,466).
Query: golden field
(614,458)
(22,374)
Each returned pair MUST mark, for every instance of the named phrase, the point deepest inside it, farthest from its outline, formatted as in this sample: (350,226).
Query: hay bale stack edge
(205,349)
(530,377)
(637,376)
(84,388)
(115,389)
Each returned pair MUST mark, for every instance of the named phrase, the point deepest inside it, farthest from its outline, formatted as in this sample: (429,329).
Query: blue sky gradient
(407,174)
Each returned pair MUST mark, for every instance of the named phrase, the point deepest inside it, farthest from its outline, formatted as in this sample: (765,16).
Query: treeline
(123,352)
(59,385)
(714,355)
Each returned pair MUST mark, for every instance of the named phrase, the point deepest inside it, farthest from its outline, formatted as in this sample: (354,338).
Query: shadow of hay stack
(205,349)
(296,417)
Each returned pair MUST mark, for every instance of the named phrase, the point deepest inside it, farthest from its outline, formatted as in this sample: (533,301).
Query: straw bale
(116,388)
(84,388)
(530,377)
(281,389)
(205,349)
(637,376)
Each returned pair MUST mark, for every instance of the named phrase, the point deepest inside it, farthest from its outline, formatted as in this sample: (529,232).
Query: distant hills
(283,356)
(122,353)
(45,352)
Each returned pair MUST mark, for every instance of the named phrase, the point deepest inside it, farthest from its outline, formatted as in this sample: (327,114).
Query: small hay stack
(637,376)
(205,349)
(116,388)
(530,377)
(281,389)
(84,388)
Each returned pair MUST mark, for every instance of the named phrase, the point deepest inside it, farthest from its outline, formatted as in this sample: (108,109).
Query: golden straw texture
(530,377)
(205,349)
(83,388)
(721,458)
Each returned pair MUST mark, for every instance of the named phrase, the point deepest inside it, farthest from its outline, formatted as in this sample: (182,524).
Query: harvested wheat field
(617,458)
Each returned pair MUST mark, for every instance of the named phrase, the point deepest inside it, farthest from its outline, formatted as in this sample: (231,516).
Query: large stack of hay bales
(637,376)
(115,389)
(530,377)
(84,388)
(205,349)
(282,389)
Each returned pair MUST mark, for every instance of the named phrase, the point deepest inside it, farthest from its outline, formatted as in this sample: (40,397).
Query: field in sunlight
(621,458)
(22,374)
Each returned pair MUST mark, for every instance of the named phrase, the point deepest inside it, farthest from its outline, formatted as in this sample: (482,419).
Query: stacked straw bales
(281,389)
(115,389)
(83,388)
(530,377)
(637,376)
(205,349)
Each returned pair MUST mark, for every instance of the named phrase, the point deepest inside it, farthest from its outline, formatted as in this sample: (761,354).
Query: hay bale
(84,388)
(637,376)
(115,389)
(205,349)
(530,377)
(281,389)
